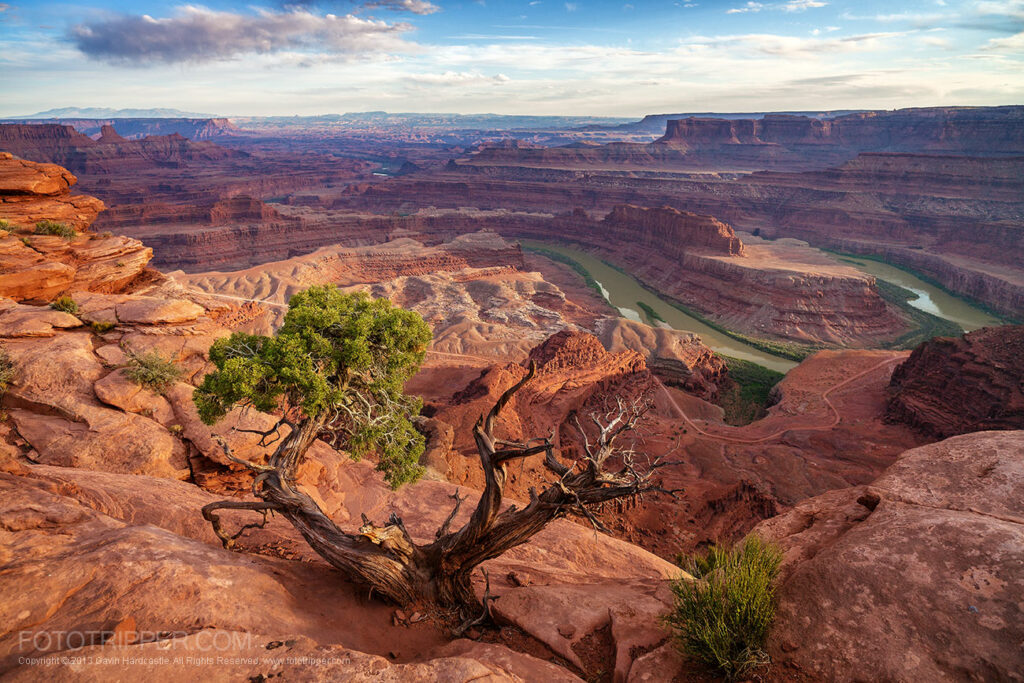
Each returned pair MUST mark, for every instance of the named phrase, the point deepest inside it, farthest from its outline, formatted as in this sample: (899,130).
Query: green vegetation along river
(930,298)
(636,303)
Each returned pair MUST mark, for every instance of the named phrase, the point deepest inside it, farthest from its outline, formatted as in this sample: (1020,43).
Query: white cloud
(788,6)
(1011,44)
(197,34)
(801,5)
(1006,8)
(457,78)
(414,6)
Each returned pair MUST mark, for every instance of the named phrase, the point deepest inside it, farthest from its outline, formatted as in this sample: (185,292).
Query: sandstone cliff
(41,267)
(933,551)
(967,384)
(671,232)
(980,130)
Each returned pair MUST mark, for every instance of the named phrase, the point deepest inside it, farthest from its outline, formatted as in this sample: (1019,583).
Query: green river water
(623,292)
(930,298)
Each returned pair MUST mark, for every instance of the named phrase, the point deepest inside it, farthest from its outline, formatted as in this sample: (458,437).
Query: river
(623,292)
(930,299)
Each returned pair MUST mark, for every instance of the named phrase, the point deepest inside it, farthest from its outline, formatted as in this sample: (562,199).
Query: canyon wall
(966,130)
(956,219)
(134,129)
(783,291)
(170,179)
(952,386)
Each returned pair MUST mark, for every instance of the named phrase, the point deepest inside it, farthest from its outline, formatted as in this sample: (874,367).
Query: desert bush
(54,228)
(5,224)
(66,304)
(723,617)
(6,371)
(101,326)
(151,370)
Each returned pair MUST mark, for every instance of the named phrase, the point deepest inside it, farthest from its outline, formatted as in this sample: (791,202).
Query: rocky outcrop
(678,358)
(146,528)
(575,375)
(671,232)
(952,386)
(41,267)
(108,135)
(31,192)
(921,568)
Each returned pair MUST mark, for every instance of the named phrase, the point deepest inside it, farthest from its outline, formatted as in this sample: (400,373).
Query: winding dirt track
(813,428)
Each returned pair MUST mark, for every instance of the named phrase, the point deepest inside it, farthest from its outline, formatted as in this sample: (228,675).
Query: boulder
(54,408)
(17,320)
(914,577)
(152,311)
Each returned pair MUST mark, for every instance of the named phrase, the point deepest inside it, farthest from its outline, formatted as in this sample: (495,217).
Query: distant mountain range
(108,113)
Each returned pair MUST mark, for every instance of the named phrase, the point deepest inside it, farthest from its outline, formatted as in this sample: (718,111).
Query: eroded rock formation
(952,386)
(39,266)
(932,550)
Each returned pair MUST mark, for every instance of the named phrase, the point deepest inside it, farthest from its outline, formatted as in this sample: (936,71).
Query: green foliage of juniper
(723,618)
(339,359)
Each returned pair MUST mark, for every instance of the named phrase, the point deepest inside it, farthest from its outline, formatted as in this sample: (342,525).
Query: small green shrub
(101,326)
(54,228)
(5,224)
(151,370)
(26,241)
(722,618)
(6,371)
(66,304)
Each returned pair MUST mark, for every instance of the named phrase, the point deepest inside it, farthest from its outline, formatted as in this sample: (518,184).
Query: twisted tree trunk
(386,557)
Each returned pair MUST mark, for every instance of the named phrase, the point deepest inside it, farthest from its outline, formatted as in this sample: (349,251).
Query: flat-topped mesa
(964,130)
(241,208)
(953,386)
(112,154)
(672,231)
(40,267)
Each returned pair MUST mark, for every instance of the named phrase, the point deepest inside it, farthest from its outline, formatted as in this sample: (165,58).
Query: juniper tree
(336,369)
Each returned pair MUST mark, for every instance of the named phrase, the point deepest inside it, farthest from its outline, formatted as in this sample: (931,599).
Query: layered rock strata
(952,386)
(40,267)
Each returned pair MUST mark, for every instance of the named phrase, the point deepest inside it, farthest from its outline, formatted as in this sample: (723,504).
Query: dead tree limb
(389,560)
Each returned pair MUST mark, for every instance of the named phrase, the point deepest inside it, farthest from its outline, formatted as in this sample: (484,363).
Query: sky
(553,57)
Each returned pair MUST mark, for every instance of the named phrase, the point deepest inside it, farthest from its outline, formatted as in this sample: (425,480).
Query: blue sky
(578,57)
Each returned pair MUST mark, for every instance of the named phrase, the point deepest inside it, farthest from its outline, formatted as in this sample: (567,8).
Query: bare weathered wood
(388,559)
